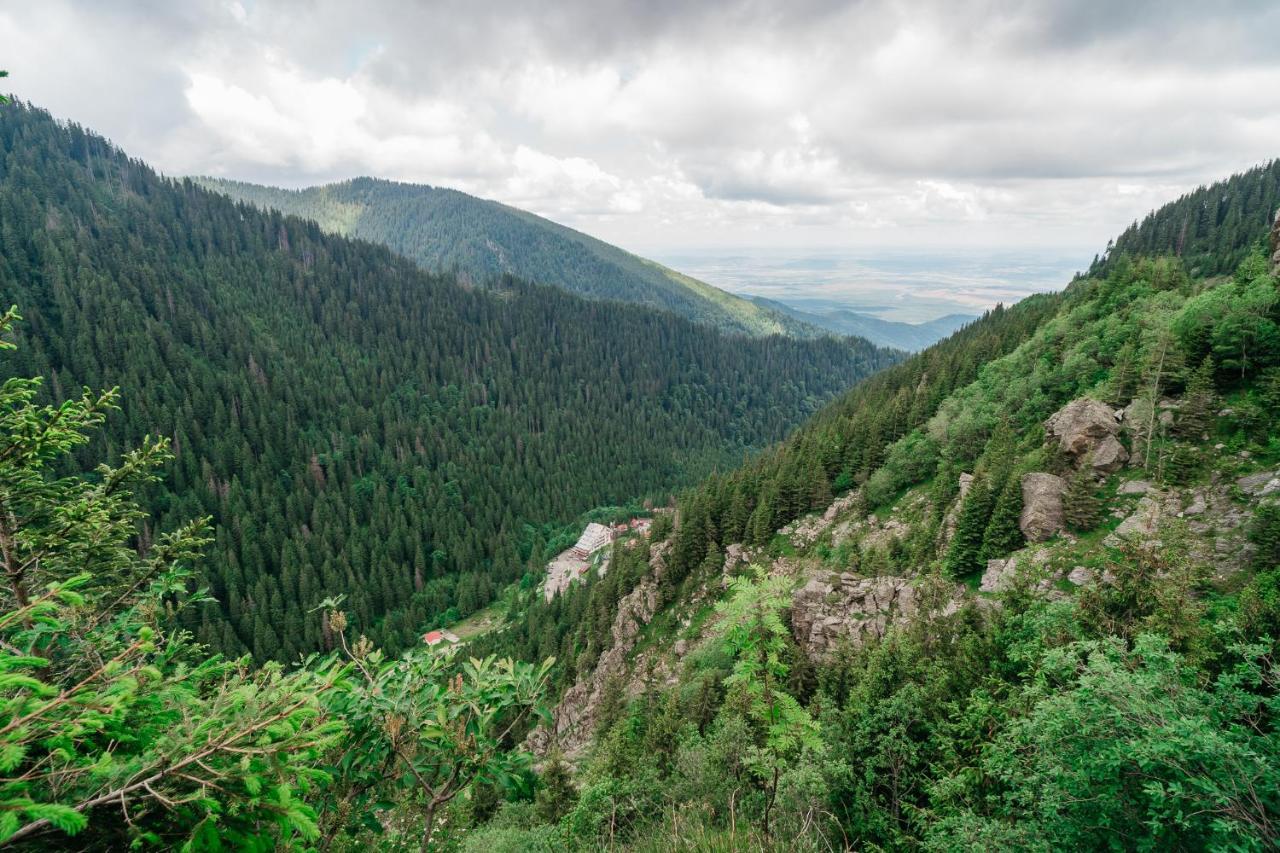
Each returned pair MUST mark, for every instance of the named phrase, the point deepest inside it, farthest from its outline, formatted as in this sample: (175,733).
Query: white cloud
(652,124)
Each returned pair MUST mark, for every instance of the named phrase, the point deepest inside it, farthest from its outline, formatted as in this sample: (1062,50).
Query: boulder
(997,575)
(1087,427)
(1261,484)
(1042,515)
(1141,525)
(1080,576)
(1197,506)
(1109,456)
(1134,487)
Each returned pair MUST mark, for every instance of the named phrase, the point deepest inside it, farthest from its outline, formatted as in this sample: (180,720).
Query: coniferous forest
(481,241)
(351,424)
(1019,591)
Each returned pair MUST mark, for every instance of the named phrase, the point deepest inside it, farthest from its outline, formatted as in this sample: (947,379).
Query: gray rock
(998,575)
(1142,524)
(1109,456)
(1081,426)
(1197,506)
(953,515)
(1080,576)
(1261,484)
(1134,487)
(823,615)
(1275,245)
(1042,515)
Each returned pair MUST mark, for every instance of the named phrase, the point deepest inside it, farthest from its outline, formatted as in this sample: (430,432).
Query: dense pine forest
(352,424)
(1020,591)
(1212,229)
(443,230)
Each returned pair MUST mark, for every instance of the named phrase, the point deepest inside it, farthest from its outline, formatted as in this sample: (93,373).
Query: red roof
(433,637)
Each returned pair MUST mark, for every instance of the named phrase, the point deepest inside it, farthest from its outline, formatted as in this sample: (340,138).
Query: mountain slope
(354,425)
(911,337)
(1017,592)
(446,230)
(1211,229)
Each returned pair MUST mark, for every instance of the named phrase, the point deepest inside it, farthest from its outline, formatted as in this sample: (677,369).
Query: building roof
(432,637)
(595,537)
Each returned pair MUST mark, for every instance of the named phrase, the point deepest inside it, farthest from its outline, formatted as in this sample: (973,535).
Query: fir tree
(1198,402)
(1081,506)
(1004,534)
(1264,533)
(964,556)
(557,793)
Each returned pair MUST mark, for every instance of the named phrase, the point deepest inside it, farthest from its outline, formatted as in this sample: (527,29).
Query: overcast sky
(663,125)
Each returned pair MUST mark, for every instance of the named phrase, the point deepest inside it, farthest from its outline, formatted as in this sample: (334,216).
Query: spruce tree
(1264,533)
(965,554)
(1081,506)
(557,795)
(1181,463)
(1196,413)
(1004,534)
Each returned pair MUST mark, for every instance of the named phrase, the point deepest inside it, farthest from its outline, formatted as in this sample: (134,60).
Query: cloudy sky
(664,125)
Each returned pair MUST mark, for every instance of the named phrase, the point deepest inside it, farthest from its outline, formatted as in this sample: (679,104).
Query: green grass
(480,622)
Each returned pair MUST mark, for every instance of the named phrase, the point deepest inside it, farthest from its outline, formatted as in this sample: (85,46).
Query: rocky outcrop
(952,517)
(1030,566)
(1275,245)
(1210,524)
(1141,524)
(1109,456)
(574,718)
(1042,514)
(738,556)
(1260,485)
(1134,487)
(998,575)
(1086,429)
(848,608)
(1080,576)
(803,532)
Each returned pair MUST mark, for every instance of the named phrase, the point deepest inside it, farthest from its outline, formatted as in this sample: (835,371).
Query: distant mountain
(443,230)
(911,337)
(354,425)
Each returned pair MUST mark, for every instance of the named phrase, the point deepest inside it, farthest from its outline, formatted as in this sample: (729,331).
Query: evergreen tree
(1003,534)
(1081,505)
(1264,533)
(964,557)
(557,793)
(1198,403)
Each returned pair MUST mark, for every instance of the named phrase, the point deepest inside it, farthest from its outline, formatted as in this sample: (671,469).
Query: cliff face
(1275,244)
(575,717)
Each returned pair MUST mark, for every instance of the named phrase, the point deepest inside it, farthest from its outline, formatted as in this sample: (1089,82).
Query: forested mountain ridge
(1017,592)
(1212,229)
(444,230)
(355,425)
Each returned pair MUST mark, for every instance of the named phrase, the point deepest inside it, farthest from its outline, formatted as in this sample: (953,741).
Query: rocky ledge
(847,608)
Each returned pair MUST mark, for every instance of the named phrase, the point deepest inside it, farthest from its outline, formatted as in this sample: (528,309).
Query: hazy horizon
(666,127)
(892,284)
